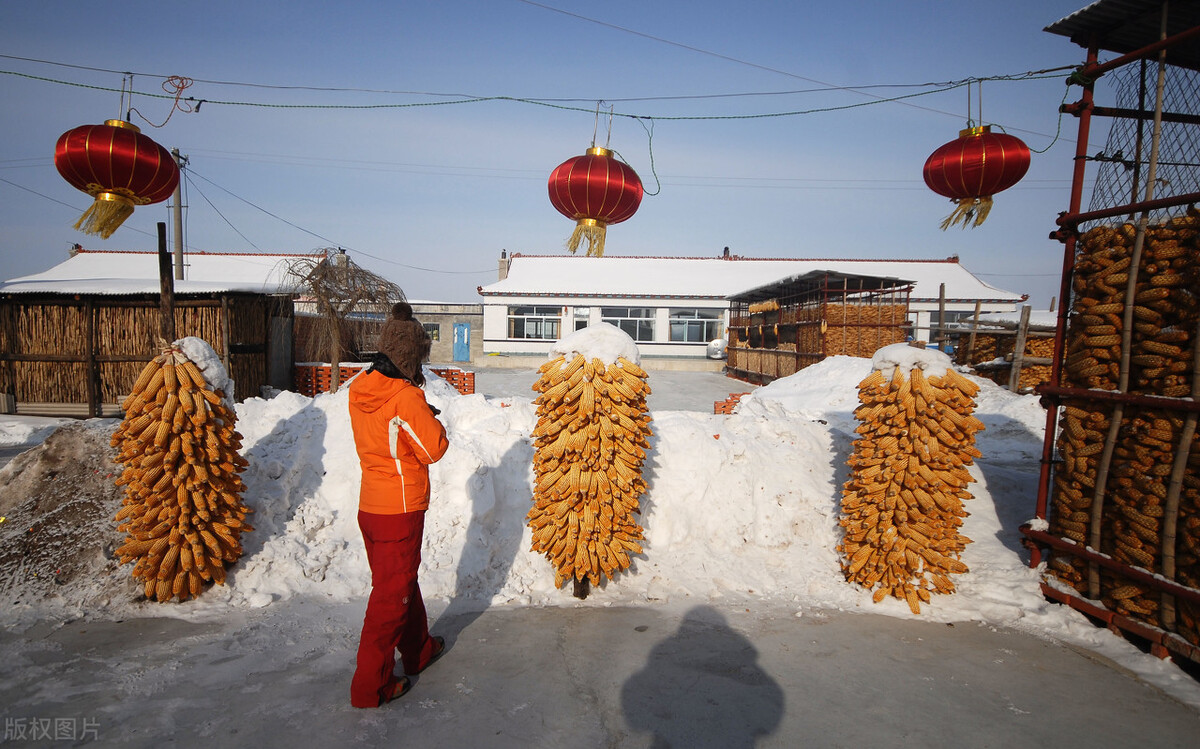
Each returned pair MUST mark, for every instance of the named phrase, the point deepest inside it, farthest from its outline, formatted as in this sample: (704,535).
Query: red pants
(395,618)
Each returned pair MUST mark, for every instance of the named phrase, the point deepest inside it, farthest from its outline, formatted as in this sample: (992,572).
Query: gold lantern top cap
(123,124)
(977,130)
(598,151)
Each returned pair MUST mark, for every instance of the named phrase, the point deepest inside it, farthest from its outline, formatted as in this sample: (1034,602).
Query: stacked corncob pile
(1137,501)
(183,511)
(991,346)
(1164,313)
(589,445)
(903,505)
(861,329)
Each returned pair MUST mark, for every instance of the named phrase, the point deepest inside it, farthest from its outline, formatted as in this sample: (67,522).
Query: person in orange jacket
(397,436)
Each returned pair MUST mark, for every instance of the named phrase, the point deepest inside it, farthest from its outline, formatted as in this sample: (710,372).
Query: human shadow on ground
(703,687)
(492,541)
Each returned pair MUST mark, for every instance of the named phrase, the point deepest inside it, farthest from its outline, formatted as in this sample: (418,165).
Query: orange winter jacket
(397,437)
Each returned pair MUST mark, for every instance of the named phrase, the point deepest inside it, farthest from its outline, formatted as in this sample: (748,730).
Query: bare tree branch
(345,296)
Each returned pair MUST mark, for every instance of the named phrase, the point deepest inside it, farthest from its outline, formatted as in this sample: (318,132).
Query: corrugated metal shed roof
(1126,25)
(803,282)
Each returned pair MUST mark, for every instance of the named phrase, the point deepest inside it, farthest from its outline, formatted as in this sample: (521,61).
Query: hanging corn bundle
(589,445)
(902,507)
(183,511)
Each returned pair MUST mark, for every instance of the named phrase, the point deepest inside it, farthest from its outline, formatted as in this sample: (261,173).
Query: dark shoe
(400,689)
(441,648)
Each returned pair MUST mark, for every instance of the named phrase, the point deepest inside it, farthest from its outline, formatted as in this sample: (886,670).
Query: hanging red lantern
(119,167)
(596,190)
(973,168)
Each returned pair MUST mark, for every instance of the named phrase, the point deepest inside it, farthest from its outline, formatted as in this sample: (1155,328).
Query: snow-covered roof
(719,278)
(127,272)
(1038,318)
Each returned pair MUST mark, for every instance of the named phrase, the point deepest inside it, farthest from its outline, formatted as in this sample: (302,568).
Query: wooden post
(1018,356)
(941,336)
(225,331)
(91,366)
(166,279)
(971,341)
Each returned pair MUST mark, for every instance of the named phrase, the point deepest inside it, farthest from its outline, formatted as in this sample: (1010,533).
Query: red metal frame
(1162,643)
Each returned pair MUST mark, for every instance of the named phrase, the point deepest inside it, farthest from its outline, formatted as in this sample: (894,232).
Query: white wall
(495,323)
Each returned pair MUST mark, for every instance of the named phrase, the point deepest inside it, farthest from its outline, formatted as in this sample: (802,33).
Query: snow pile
(29,430)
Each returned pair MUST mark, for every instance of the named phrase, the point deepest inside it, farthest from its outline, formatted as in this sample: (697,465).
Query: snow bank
(740,509)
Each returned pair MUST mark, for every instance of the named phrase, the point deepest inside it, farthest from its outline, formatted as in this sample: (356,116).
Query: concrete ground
(669,390)
(652,676)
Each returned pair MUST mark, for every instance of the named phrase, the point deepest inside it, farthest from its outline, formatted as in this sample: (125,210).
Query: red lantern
(974,167)
(596,190)
(119,167)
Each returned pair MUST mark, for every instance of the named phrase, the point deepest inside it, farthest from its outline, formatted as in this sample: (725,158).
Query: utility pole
(177,215)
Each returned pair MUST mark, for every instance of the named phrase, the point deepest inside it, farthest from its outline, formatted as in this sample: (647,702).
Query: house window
(434,330)
(695,325)
(583,317)
(534,322)
(637,322)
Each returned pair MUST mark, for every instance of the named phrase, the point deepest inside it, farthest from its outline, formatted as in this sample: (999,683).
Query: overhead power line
(327,240)
(562,103)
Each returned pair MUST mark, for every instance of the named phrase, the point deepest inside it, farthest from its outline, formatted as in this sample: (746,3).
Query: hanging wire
(222,215)
(175,86)
(650,149)
(1058,127)
(596,127)
(980,85)
(123,112)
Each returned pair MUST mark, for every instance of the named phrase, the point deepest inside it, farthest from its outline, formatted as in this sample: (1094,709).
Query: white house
(673,306)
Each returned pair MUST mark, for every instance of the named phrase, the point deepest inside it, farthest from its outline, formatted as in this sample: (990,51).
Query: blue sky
(429,195)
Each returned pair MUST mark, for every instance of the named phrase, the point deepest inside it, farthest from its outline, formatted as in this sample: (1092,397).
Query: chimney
(76,249)
(340,258)
(503,264)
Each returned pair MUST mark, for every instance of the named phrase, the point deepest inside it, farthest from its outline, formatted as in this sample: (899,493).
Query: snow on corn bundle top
(605,342)
(209,364)
(931,362)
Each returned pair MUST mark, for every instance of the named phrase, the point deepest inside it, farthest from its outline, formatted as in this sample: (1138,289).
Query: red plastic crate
(726,406)
(460,379)
(311,379)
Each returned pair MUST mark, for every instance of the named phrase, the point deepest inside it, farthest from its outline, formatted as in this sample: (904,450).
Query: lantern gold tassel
(592,232)
(968,209)
(105,215)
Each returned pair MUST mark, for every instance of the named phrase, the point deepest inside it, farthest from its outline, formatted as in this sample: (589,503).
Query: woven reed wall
(46,355)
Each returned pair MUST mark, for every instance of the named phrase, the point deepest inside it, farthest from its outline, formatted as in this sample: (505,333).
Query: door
(462,341)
